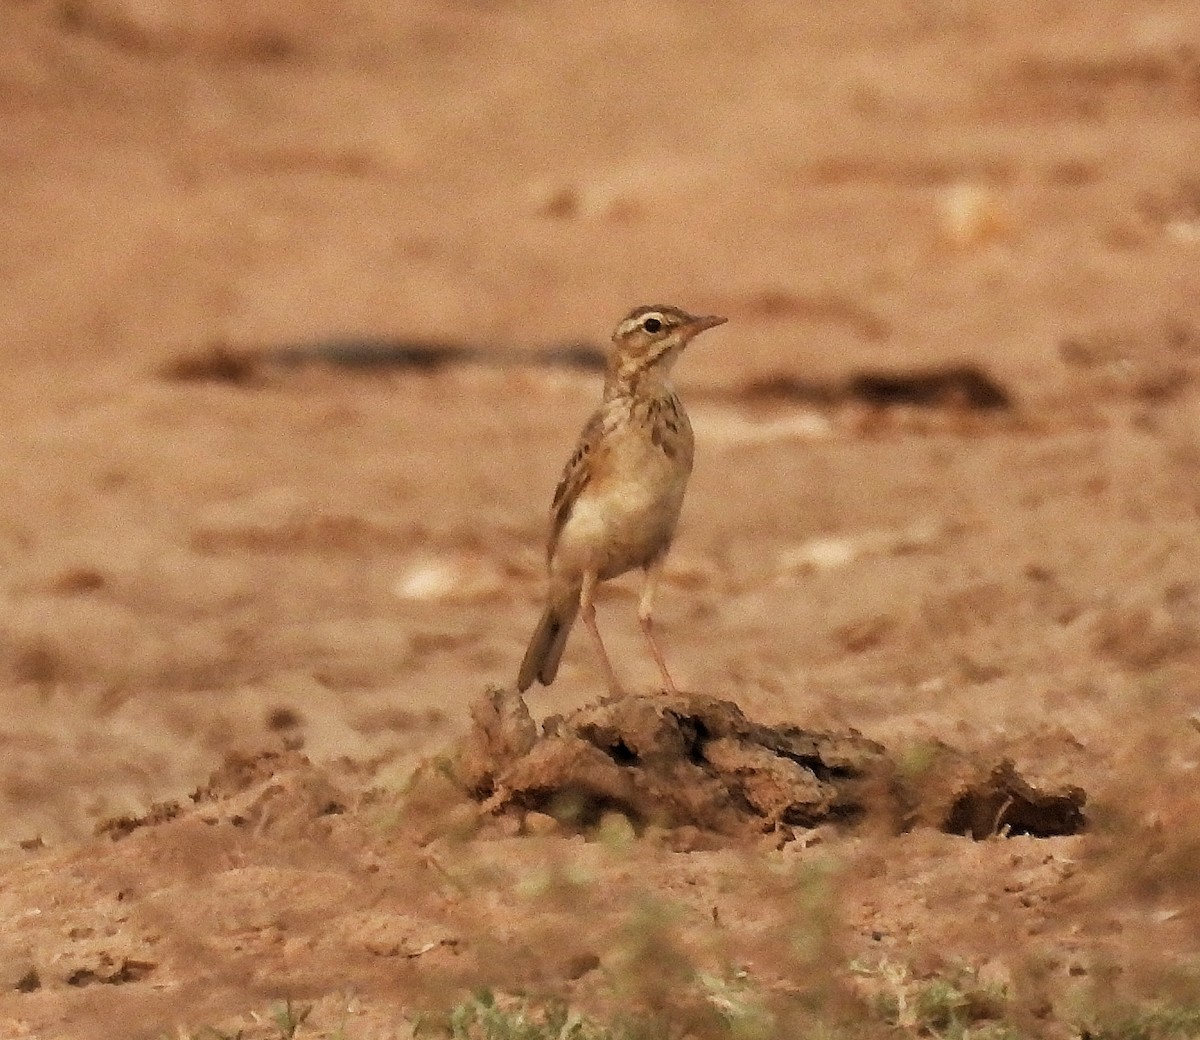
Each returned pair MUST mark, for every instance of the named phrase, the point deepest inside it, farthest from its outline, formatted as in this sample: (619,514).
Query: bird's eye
(652,325)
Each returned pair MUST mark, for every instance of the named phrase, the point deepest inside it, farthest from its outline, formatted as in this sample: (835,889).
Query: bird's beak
(710,321)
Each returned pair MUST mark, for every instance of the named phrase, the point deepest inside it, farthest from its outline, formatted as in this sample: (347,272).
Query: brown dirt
(297,314)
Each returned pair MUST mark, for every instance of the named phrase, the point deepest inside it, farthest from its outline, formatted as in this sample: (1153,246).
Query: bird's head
(651,338)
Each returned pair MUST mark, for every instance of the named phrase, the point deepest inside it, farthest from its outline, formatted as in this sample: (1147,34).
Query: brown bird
(618,501)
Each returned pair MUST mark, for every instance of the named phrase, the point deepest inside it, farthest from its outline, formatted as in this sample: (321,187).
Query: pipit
(618,502)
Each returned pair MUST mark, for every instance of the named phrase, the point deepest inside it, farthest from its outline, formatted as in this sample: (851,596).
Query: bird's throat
(630,376)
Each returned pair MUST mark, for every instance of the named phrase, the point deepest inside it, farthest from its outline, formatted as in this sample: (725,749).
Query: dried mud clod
(980,798)
(695,761)
(1004,802)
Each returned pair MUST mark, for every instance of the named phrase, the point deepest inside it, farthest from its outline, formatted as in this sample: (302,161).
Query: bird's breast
(627,513)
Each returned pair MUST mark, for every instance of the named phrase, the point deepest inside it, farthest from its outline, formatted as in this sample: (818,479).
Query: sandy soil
(317,569)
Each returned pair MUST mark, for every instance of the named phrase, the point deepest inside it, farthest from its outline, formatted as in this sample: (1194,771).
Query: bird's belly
(624,521)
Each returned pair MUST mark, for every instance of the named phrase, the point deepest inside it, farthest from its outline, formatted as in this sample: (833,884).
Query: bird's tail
(548,642)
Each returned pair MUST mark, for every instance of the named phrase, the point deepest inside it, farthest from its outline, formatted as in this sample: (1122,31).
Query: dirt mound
(260,791)
(697,761)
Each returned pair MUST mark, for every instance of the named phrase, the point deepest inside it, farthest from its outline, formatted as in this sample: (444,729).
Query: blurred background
(207,548)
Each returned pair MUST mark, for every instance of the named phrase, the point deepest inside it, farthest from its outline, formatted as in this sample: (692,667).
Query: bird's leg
(588,609)
(645,617)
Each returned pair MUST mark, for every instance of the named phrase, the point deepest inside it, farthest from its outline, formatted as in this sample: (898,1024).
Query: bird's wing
(576,476)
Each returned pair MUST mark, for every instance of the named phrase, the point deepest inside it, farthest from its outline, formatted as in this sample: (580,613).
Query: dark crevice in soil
(621,753)
(220,362)
(965,387)
(694,736)
(112,973)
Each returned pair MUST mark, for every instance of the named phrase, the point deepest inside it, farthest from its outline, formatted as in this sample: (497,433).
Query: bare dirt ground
(946,493)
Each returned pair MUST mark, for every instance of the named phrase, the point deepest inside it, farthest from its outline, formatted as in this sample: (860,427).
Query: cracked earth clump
(697,761)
